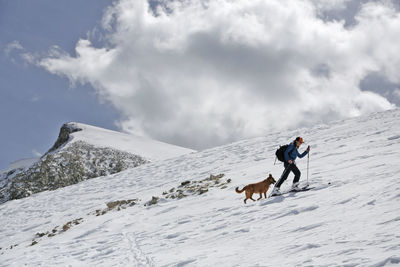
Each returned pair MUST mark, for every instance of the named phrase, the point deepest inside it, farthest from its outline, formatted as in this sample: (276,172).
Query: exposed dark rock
(41,234)
(63,136)
(121,204)
(195,187)
(185,183)
(68,225)
(116,205)
(153,201)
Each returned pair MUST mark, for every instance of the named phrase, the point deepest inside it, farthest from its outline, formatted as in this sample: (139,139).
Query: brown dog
(261,187)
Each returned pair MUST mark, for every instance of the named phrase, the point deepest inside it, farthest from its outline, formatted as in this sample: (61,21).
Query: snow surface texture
(351,218)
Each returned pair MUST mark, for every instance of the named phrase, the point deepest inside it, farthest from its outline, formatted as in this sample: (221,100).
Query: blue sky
(192,73)
(33,102)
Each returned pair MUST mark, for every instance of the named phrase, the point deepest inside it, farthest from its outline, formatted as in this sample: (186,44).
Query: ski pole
(308,164)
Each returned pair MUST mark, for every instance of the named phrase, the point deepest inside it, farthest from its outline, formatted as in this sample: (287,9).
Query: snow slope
(351,218)
(137,145)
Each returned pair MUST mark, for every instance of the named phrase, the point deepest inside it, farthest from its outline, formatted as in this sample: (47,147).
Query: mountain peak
(82,152)
(64,135)
(100,137)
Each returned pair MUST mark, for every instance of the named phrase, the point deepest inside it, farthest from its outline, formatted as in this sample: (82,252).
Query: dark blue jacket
(292,153)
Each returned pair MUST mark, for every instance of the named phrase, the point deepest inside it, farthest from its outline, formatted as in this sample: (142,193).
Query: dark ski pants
(289,168)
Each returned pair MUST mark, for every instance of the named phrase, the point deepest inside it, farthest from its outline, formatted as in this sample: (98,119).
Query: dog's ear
(270,175)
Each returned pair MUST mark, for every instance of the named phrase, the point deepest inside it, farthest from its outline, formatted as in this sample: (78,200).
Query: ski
(306,188)
(302,189)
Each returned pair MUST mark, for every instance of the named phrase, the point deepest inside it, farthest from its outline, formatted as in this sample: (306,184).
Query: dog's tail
(240,191)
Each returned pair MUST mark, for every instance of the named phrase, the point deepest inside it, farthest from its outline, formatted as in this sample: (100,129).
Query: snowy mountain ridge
(81,152)
(185,211)
(137,145)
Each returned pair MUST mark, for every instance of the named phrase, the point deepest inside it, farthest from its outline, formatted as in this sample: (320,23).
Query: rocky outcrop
(64,136)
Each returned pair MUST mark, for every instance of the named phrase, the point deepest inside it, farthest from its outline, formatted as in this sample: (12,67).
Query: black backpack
(280,153)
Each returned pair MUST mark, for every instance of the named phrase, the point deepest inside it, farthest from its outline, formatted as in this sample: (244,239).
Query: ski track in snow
(353,221)
(138,257)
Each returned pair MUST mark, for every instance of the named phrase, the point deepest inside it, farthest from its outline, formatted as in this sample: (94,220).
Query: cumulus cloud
(382,25)
(203,73)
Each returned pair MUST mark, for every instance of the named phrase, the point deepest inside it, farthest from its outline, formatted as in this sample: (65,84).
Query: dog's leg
(260,196)
(265,194)
(247,196)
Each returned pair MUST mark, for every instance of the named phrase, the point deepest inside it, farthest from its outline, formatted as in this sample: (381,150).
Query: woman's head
(298,141)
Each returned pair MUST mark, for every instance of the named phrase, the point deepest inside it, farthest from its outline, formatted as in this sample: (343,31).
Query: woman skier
(291,153)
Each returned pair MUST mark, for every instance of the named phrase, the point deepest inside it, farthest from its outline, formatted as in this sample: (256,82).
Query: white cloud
(378,31)
(28,58)
(14,45)
(10,48)
(202,73)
